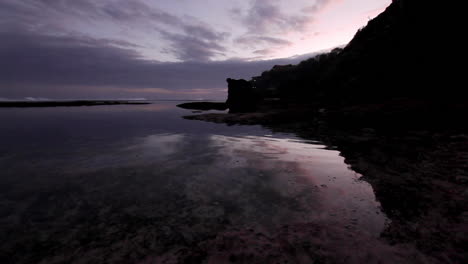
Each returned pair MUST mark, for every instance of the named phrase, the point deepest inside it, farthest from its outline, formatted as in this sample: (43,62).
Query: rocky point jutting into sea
(393,109)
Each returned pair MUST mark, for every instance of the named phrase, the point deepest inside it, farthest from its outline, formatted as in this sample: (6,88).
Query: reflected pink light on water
(341,196)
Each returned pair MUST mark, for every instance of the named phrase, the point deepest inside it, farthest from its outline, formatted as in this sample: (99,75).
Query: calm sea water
(107,182)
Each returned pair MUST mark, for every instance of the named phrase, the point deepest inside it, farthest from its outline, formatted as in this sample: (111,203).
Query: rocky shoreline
(415,159)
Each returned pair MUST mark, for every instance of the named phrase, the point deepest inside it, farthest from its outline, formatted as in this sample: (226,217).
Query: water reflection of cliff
(419,176)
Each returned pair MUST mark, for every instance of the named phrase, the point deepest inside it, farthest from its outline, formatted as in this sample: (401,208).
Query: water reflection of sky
(147,162)
(341,198)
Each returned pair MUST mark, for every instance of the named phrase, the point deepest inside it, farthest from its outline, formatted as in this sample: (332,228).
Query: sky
(162,49)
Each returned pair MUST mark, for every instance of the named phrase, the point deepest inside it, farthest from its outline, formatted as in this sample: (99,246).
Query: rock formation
(241,96)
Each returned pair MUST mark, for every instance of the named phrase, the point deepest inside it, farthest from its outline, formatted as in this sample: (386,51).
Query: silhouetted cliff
(390,103)
(399,54)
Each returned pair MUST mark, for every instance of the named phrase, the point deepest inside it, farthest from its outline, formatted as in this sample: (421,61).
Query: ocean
(129,183)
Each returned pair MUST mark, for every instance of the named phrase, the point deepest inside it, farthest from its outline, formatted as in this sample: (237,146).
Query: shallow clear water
(84,181)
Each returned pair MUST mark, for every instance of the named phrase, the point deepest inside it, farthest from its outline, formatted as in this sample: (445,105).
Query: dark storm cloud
(64,65)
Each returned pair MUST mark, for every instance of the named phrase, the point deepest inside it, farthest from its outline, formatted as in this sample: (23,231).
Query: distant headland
(51,103)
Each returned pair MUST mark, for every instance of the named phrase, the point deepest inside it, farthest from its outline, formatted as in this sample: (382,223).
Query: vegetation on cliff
(397,55)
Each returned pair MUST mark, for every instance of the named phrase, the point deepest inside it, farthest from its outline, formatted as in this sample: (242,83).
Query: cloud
(197,42)
(319,6)
(63,66)
(87,48)
(268,16)
(119,11)
(256,40)
(265,17)
(44,15)
(192,48)
(263,46)
(263,52)
(190,38)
